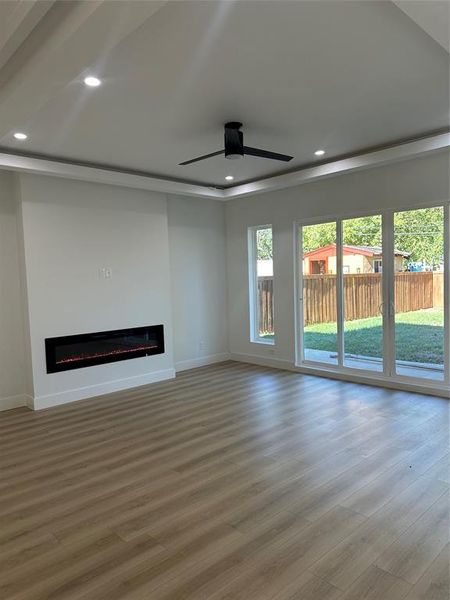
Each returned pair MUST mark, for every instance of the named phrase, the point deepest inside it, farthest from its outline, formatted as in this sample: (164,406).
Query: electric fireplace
(90,349)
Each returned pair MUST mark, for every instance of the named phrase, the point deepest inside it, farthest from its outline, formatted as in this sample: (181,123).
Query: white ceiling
(433,16)
(338,75)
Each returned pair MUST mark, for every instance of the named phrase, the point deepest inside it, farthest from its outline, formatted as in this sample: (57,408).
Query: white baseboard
(276,363)
(376,381)
(202,361)
(100,389)
(13,402)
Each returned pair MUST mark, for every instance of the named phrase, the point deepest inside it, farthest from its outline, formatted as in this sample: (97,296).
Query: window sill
(263,342)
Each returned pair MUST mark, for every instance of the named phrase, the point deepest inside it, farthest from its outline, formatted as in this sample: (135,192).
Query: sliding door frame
(388,375)
(447,293)
(388,314)
(299,318)
(339,294)
(445,382)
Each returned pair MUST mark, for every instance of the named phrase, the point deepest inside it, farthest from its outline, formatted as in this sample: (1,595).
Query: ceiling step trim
(58,168)
(53,168)
(375,158)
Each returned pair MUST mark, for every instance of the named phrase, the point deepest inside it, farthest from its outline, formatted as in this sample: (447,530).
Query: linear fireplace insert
(90,349)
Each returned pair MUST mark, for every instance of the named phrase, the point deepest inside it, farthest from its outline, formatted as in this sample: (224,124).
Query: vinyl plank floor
(230,482)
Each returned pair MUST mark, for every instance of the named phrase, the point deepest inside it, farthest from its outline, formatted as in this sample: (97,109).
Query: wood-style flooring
(231,482)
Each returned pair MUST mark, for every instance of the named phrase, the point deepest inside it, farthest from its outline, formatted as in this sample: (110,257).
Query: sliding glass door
(419,293)
(373,295)
(362,289)
(319,316)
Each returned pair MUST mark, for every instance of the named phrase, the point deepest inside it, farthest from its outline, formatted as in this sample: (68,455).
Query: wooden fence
(438,290)
(362,296)
(265,300)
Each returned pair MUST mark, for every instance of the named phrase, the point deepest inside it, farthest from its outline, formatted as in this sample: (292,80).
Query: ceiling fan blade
(266,154)
(193,160)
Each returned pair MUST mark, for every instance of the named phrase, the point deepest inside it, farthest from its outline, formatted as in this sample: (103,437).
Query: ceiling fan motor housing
(233,140)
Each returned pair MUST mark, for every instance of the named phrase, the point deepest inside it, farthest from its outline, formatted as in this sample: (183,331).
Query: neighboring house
(356,259)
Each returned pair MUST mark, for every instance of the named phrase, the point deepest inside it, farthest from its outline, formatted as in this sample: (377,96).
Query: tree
(317,236)
(421,233)
(418,232)
(264,244)
(363,231)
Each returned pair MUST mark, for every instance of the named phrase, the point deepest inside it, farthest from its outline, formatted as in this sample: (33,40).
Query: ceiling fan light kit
(234,147)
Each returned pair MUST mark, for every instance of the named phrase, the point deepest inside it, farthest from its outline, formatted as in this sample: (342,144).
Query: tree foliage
(418,232)
(363,231)
(421,233)
(264,244)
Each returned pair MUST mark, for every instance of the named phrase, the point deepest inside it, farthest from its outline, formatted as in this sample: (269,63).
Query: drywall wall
(71,231)
(198,280)
(407,184)
(167,255)
(168,261)
(12,373)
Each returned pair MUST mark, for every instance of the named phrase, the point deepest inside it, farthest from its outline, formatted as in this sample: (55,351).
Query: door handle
(391,308)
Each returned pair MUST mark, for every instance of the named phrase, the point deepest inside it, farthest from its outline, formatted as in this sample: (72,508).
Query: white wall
(198,277)
(12,375)
(168,260)
(71,230)
(410,183)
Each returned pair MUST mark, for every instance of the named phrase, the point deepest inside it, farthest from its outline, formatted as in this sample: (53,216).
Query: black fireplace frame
(51,344)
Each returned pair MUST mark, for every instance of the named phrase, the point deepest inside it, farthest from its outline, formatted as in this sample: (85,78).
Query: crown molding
(376,158)
(57,168)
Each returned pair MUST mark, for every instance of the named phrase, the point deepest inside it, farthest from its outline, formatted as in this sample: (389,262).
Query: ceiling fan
(234,147)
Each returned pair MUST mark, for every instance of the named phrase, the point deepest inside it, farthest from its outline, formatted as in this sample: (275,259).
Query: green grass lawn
(419,336)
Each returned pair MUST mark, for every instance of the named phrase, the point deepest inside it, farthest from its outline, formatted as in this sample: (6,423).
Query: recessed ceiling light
(229,177)
(20,136)
(319,152)
(92,81)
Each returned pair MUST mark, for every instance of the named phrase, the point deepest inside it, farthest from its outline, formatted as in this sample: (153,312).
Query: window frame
(389,376)
(254,336)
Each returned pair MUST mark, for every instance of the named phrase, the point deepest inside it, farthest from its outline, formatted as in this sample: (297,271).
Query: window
(260,247)
(377,265)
